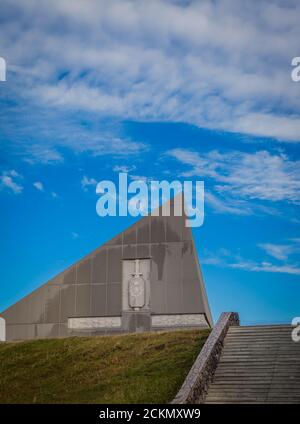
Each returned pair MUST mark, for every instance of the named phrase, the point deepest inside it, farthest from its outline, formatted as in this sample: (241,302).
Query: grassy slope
(139,368)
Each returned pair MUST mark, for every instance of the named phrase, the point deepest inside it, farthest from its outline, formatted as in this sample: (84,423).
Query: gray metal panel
(52,304)
(143,251)
(17,313)
(158,254)
(174,278)
(187,234)
(84,271)
(158,229)
(67,302)
(20,332)
(83,300)
(114,299)
(173,263)
(129,236)
(99,266)
(36,300)
(129,251)
(174,298)
(174,229)
(47,331)
(158,297)
(192,301)
(69,276)
(114,264)
(143,231)
(99,300)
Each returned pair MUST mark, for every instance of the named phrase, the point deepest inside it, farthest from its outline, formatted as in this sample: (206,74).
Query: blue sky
(164,90)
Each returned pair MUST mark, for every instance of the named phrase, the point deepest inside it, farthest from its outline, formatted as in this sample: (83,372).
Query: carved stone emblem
(136,288)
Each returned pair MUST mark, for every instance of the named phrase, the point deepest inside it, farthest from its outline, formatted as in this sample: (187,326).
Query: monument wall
(146,278)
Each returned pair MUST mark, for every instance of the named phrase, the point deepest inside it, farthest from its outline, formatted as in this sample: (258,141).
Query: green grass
(139,368)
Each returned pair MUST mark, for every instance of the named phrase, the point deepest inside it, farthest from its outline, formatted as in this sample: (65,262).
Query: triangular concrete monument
(146,278)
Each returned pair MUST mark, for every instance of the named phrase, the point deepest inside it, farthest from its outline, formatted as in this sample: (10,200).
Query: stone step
(258,364)
(255,384)
(274,329)
(263,353)
(247,379)
(263,340)
(256,372)
(261,347)
(235,402)
(265,359)
(259,327)
(284,332)
(260,338)
(253,395)
(250,400)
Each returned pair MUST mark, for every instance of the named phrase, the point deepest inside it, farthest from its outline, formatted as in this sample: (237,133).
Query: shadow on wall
(2,330)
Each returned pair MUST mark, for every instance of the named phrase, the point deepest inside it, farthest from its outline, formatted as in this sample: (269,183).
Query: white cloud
(7,180)
(266,267)
(54,194)
(124,168)
(259,175)
(87,182)
(226,206)
(42,154)
(13,173)
(229,260)
(278,251)
(215,64)
(281,251)
(267,125)
(39,186)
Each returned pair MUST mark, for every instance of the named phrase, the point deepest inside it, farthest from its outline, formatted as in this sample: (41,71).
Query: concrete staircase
(258,364)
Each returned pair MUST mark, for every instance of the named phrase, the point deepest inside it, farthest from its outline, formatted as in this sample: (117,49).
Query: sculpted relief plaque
(136,288)
(136,284)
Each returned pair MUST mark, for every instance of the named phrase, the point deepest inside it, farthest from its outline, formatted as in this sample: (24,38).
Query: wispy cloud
(281,251)
(278,251)
(266,267)
(124,168)
(41,154)
(259,175)
(225,259)
(227,206)
(87,182)
(39,186)
(178,61)
(8,180)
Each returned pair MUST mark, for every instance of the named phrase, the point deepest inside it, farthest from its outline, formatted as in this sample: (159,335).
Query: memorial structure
(146,278)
